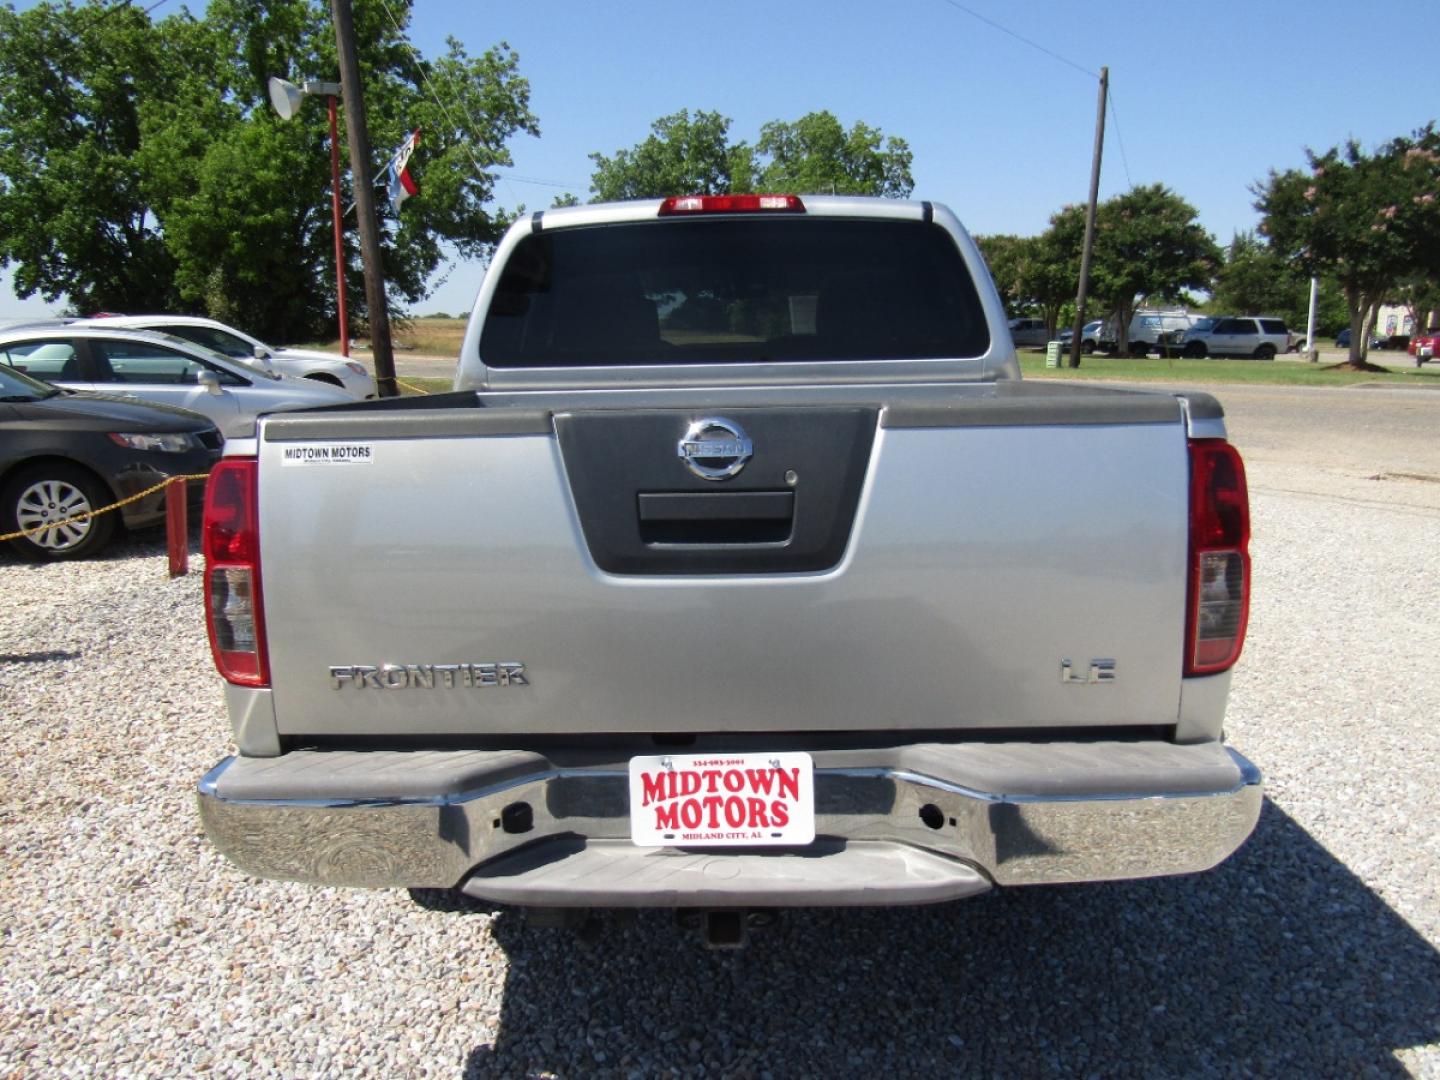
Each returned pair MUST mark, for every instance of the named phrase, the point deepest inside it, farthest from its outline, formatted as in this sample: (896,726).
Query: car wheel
(1195,350)
(324,377)
(1087,347)
(44,495)
(1139,349)
(1265,352)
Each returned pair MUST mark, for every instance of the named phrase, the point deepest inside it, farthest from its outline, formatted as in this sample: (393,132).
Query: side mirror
(210,381)
(262,353)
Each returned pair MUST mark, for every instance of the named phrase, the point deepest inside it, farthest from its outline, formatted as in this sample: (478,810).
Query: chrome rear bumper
(908,824)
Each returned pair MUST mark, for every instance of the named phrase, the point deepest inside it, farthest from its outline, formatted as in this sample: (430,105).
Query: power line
(420,63)
(1115,120)
(1022,38)
(542,181)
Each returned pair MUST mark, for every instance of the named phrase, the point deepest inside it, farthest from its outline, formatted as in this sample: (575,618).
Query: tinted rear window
(727,290)
(1273,326)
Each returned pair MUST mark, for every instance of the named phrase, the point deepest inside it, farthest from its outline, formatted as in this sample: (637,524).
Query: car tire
(1265,352)
(1195,350)
(56,491)
(1087,347)
(324,377)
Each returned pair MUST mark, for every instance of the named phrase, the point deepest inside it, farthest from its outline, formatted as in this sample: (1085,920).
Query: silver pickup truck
(739,570)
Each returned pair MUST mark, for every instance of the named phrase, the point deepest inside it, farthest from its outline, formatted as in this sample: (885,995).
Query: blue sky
(1206,99)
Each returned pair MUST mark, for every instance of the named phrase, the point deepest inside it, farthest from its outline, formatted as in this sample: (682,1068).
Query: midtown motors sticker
(336,453)
(722,800)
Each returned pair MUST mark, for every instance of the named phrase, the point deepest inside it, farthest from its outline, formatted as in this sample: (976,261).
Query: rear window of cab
(733,290)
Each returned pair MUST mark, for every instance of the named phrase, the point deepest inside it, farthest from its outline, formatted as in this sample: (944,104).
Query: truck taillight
(234,613)
(1218,602)
(730,204)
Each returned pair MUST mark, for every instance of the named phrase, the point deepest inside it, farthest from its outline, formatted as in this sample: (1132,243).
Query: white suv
(1260,336)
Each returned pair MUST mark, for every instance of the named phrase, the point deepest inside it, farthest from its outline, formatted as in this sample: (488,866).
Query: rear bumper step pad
(615,873)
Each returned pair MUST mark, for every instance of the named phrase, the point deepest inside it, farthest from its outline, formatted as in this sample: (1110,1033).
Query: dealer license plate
(719,800)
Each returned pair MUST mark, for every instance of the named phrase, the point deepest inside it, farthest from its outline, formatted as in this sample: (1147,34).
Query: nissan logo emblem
(715,449)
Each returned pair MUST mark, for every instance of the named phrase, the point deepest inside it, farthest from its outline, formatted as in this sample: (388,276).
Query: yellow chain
(412,388)
(103,510)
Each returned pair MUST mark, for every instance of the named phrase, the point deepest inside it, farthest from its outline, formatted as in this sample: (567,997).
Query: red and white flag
(398,182)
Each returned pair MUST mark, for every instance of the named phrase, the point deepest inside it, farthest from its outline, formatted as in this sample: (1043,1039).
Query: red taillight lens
(234,613)
(1218,601)
(730,204)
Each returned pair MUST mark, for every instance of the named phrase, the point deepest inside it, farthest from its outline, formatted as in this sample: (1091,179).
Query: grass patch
(427,337)
(1271,372)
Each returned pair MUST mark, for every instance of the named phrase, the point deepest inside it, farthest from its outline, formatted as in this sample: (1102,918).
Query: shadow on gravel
(1281,960)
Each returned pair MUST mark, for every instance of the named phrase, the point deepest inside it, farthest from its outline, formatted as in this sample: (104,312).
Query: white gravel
(130,949)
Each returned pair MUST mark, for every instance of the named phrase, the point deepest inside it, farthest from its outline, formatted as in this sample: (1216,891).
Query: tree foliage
(1148,246)
(1369,220)
(815,155)
(155,176)
(693,155)
(683,155)
(1038,272)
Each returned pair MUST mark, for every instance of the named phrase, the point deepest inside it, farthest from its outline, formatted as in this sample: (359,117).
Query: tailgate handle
(716,517)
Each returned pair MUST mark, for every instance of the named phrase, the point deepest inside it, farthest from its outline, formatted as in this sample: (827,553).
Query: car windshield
(1204,324)
(17,387)
(217,357)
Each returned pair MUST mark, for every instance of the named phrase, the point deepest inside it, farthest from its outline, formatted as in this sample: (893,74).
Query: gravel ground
(131,949)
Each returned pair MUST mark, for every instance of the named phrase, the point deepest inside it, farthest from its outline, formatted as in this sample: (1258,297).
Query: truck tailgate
(444,573)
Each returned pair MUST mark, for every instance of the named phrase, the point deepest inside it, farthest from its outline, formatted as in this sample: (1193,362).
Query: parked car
(1342,340)
(63,454)
(322,367)
(1028,333)
(1089,338)
(161,368)
(1424,347)
(1261,337)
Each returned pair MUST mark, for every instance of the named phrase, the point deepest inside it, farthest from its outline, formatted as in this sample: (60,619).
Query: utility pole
(1090,219)
(361,169)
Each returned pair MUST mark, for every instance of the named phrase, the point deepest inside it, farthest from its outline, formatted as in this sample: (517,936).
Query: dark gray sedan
(64,454)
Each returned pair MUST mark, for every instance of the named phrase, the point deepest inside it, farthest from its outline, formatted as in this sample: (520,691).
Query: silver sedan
(149,366)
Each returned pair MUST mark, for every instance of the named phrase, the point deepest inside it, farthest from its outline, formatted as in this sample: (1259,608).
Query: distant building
(1393,319)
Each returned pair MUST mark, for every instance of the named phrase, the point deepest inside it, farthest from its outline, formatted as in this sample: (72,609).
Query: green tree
(815,155)
(157,177)
(1052,269)
(74,217)
(1148,245)
(1370,221)
(693,155)
(683,155)
(1002,253)
(1255,280)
